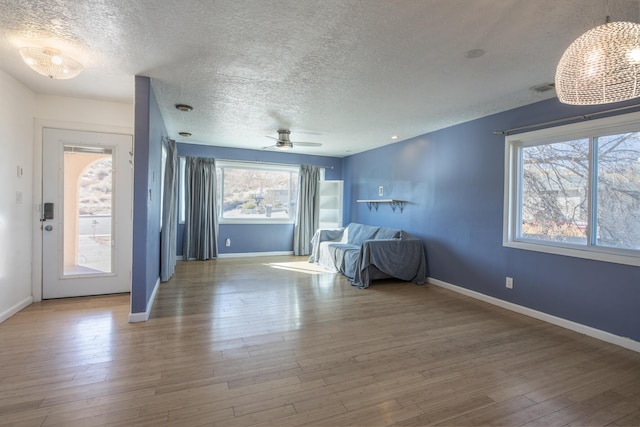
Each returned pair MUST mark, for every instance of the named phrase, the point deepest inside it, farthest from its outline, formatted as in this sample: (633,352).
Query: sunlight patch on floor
(300,267)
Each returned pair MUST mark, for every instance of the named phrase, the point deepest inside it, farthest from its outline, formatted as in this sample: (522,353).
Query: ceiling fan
(284,143)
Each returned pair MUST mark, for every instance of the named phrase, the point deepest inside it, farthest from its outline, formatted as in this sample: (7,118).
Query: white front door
(87,189)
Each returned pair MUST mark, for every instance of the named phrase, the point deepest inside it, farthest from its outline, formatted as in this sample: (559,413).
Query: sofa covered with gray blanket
(365,252)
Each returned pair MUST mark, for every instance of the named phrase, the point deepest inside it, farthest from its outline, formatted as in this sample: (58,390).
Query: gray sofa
(365,252)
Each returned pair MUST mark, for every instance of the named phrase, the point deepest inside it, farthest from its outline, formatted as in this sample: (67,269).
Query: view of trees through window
(618,194)
(556,191)
(253,193)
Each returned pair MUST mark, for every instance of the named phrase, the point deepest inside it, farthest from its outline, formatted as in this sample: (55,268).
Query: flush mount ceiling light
(185,134)
(184,107)
(601,66)
(50,62)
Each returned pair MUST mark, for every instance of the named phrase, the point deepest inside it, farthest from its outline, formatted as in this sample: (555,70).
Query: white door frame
(39,124)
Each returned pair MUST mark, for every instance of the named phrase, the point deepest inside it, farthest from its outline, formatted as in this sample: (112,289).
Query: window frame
(163,167)
(181,200)
(222,164)
(513,166)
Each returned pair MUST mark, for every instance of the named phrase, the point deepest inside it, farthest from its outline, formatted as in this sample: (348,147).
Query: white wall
(23,114)
(75,114)
(89,114)
(17,105)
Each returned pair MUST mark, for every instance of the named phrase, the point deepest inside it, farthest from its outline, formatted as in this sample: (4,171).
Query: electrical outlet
(381,191)
(227,242)
(509,283)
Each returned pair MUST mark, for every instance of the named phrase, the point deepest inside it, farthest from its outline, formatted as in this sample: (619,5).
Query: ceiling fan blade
(283,142)
(277,147)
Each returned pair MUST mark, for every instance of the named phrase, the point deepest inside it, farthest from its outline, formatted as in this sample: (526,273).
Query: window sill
(596,254)
(256,221)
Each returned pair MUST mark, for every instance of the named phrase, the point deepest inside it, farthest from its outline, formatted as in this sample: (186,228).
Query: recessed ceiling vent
(543,87)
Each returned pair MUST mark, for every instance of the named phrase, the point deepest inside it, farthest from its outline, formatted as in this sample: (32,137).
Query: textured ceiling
(344,73)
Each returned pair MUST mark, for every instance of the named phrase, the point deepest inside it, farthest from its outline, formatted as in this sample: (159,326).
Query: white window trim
(181,200)
(256,165)
(163,167)
(593,128)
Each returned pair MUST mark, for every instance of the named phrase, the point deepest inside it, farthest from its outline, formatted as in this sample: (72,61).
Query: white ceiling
(346,73)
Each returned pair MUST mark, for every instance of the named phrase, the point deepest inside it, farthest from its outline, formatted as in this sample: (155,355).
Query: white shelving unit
(330,211)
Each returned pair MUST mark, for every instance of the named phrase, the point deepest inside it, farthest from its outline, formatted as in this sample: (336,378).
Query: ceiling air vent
(543,87)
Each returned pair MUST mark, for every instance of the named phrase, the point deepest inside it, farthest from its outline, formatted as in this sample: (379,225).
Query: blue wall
(454,180)
(249,238)
(149,130)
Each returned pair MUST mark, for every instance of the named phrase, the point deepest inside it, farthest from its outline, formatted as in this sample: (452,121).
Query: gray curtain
(308,199)
(168,234)
(201,219)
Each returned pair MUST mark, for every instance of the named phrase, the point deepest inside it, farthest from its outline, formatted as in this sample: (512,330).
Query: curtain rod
(270,163)
(566,119)
(267,163)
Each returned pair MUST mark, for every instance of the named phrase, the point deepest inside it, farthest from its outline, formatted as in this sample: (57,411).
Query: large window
(575,190)
(257,192)
(251,192)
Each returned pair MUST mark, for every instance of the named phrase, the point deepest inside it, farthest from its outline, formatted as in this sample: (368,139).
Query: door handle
(48,227)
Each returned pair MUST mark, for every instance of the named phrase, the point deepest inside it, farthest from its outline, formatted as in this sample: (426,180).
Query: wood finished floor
(262,342)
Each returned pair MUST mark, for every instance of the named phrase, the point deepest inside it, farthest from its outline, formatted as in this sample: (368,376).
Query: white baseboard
(558,321)
(254,254)
(15,308)
(144,316)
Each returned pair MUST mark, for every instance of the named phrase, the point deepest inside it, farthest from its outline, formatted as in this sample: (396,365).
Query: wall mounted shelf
(395,204)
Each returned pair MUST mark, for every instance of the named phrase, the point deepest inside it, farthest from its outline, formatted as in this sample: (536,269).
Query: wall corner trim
(144,316)
(15,308)
(558,321)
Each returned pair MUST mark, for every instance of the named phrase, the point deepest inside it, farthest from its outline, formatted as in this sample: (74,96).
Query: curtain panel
(201,218)
(308,216)
(168,233)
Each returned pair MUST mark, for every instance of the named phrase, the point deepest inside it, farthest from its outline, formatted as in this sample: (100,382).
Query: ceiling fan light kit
(284,143)
(601,66)
(50,62)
